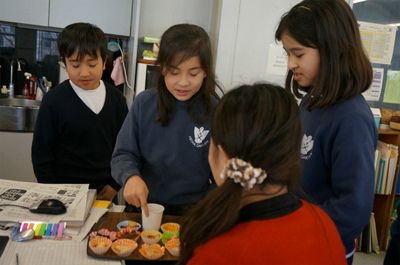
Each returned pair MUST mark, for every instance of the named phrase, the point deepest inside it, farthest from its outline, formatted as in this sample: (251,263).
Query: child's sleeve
(125,161)
(43,144)
(353,174)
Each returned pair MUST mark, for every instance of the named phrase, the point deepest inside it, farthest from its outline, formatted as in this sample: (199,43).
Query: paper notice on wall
(374,91)
(277,61)
(392,89)
(378,41)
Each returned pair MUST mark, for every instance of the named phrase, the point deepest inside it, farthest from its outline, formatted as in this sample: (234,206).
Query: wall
(245,31)
(157,16)
(15,156)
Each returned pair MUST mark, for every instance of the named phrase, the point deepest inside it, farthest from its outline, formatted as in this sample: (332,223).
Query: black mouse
(49,206)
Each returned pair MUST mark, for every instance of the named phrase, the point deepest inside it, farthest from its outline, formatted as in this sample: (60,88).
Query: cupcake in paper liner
(168,235)
(103,233)
(170,227)
(124,247)
(100,245)
(151,236)
(153,251)
(128,234)
(173,245)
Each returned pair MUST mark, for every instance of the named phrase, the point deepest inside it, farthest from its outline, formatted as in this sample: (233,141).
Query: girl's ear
(222,151)
(104,63)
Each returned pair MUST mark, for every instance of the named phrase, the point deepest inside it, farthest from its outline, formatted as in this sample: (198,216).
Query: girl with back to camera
(162,148)
(253,216)
(327,63)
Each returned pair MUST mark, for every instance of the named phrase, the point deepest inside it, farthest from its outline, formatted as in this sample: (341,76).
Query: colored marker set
(44,230)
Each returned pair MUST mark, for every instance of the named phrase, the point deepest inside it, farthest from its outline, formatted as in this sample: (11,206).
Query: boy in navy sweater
(79,119)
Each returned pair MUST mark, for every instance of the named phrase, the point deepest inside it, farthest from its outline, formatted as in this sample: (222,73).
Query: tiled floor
(361,258)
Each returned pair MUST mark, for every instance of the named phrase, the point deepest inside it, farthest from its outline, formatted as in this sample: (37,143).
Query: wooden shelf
(151,62)
(383,204)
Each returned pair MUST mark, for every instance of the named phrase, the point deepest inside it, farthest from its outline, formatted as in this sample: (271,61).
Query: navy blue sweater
(71,143)
(172,160)
(338,151)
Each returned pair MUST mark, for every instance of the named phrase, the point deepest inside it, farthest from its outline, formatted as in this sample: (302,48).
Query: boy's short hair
(86,38)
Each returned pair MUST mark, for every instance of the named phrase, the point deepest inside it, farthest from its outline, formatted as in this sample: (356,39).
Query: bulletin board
(379,23)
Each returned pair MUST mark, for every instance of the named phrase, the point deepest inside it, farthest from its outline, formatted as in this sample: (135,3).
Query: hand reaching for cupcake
(136,192)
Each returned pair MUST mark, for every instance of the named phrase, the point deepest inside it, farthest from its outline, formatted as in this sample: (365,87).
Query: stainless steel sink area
(17,114)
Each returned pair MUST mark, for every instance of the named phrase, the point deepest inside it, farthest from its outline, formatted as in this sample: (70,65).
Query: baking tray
(110,222)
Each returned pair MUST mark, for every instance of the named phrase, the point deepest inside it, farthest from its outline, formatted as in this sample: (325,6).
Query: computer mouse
(49,206)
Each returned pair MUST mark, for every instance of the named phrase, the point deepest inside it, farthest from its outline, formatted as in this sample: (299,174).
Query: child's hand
(136,192)
(107,193)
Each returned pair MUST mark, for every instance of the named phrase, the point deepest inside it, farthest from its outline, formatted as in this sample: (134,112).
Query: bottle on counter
(25,90)
(32,88)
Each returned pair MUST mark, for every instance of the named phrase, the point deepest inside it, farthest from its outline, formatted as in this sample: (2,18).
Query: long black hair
(331,27)
(178,44)
(259,124)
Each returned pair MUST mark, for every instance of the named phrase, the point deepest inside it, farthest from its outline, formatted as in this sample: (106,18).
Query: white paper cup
(152,222)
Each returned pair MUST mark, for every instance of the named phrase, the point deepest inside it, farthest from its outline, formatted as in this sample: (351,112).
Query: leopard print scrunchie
(243,173)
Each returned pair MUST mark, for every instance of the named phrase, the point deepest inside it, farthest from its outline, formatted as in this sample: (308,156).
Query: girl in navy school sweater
(162,148)
(327,63)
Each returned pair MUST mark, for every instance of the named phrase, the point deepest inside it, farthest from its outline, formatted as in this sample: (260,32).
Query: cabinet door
(25,11)
(113,17)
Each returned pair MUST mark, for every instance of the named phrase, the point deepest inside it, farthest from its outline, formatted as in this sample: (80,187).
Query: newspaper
(24,194)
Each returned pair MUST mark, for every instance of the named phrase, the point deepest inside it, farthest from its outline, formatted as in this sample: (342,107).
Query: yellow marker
(37,230)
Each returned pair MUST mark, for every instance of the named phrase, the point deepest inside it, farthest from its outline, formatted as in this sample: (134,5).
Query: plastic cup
(153,222)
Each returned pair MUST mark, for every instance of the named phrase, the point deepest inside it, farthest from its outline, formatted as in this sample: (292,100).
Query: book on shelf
(392,168)
(377,165)
(366,239)
(384,148)
(357,242)
(386,170)
(374,235)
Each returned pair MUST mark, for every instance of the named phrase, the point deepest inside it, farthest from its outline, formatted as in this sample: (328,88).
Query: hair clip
(304,7)
(243,172)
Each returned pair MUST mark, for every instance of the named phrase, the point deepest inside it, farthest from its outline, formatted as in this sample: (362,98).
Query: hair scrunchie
(243,173)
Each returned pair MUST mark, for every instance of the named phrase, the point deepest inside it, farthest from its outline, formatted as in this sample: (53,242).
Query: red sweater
(305,236)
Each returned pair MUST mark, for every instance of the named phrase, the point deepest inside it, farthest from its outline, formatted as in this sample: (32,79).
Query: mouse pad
(3,243)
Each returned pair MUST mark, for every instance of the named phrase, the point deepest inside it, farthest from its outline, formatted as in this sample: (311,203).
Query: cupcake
(151,236)
(154,251)
(124,247)
(128,234)
(173,245)
(100,245)
(170,227)
(168,235)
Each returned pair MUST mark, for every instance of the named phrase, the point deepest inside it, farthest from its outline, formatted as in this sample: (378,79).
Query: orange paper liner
(144,246)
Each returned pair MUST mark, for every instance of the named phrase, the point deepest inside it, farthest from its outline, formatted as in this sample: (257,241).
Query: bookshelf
(383,204)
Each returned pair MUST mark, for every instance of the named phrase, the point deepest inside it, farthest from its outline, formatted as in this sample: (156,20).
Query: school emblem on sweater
(306,146)
(199,135)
